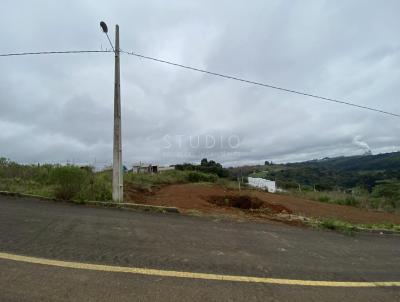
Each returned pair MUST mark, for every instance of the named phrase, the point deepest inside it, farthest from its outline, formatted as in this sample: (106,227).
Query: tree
(204,162)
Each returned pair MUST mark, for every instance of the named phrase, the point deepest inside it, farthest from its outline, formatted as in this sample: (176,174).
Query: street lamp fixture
(117,180)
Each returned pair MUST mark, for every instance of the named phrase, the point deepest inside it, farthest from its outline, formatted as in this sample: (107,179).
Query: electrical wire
(52,52)
(261,84)
(206,72)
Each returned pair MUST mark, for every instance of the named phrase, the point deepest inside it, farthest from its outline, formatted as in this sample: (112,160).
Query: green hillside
(330,173)
(371,181)
(379,162)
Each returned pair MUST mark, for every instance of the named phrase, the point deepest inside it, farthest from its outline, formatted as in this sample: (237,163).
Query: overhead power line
(52,52)
(326,99)
(262,84)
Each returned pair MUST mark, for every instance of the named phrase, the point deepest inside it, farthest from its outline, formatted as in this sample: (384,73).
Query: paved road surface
(112,237)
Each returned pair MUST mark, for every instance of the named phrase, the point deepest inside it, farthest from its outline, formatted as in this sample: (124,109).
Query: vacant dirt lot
(210,199)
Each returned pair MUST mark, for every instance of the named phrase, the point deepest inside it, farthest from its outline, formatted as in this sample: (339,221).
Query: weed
(146,182)
(324,198)
(337,225)
(69,181)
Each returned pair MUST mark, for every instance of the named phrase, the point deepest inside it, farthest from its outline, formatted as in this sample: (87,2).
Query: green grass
(83,184)
(357,199)
(336,197)
(260,174)
(381,226)
(27,186)
(55,181)
(230,184)
(324,198)
(336,225)
(349,228)
(144,181)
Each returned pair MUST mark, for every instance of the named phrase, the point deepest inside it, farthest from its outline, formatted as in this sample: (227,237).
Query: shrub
(338,225)
(146,182)
(389,193)
(69,181)
(102,187)
(230,184)
(205,167)
(324,198)
(348,201)
(97,186)
(194,176)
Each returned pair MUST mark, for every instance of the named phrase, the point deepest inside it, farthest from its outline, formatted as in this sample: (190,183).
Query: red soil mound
(246,202)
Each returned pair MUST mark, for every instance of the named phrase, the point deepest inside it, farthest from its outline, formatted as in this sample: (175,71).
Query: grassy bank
(360,199)
(349,228)
(55,181)
(144,181)
(82,183)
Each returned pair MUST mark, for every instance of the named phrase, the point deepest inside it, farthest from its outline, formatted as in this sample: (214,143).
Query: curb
(16,194)
(135,206)
(122,205)
(377,231)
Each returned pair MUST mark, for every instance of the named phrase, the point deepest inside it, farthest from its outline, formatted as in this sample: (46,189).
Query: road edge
(108,204)
(165,209)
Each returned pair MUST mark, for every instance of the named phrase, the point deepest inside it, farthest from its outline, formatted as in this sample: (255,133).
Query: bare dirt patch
(189,197)
(244,202)
(247,202)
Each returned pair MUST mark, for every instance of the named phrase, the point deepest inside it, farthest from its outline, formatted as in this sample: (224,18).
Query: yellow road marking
(190,275)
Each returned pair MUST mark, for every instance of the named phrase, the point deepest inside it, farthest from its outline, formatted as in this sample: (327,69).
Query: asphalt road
(113,237)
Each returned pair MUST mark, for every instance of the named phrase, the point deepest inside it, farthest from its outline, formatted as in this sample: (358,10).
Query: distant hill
(330,173)
(385,161)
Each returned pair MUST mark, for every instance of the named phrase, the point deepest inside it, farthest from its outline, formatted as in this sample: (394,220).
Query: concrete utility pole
(117,181)
(118,192)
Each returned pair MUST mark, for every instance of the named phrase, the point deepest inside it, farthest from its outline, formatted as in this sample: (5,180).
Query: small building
(149,168)
(144,168)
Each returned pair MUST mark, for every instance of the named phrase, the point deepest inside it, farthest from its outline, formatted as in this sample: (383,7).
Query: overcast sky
(60,108)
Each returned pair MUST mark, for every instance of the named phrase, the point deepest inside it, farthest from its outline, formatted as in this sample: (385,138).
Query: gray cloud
(59,108)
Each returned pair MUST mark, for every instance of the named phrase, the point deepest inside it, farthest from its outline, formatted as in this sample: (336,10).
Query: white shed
(262,183)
